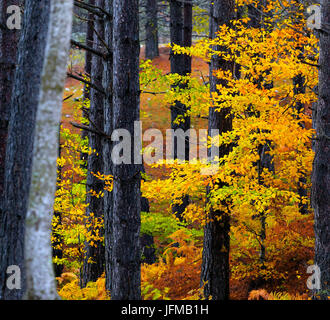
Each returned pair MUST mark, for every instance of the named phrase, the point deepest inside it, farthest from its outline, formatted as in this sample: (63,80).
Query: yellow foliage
(93,290)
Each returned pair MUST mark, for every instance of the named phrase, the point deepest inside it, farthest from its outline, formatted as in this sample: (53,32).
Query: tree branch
(101,90)
(92,8)
(89,49)
(86,128)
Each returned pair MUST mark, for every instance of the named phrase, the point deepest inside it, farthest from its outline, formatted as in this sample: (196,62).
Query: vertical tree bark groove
(215,263)
(151,48)
(93,270)
(40,280)
(21,129)
(125,263)
(321,167)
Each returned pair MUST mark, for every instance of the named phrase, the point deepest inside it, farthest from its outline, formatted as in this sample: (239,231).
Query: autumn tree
(215,266)
(257,16)
(40,281)
(18,163)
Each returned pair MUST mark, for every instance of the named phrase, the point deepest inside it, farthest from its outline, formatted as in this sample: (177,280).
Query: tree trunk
(215,264)
(8,55)
(187,33)
(148,253)
(20,139)
(126,269)
(93,269)
(151,49)
(180,65)
(58,242)
(107,144)
(38,250)
(88,69)
(257,16)
(8,50)
(321,169)
(89,43)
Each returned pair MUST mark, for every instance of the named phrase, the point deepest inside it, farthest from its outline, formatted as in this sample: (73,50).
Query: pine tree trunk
(187,33)
(8,53)
(126,269)
(94,260)
(180,65)
(107,144)
(321,169)
(151,30)
(88,69)
(88,54)
(20,139)
(215,264)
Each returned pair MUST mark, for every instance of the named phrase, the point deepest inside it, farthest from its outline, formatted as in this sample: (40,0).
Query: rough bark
(20,139)
(126,273)
(215,264)
(8,52)
(38,250)
(8,55)
(107,145)
(93,270)
(321,168)
(151,48)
